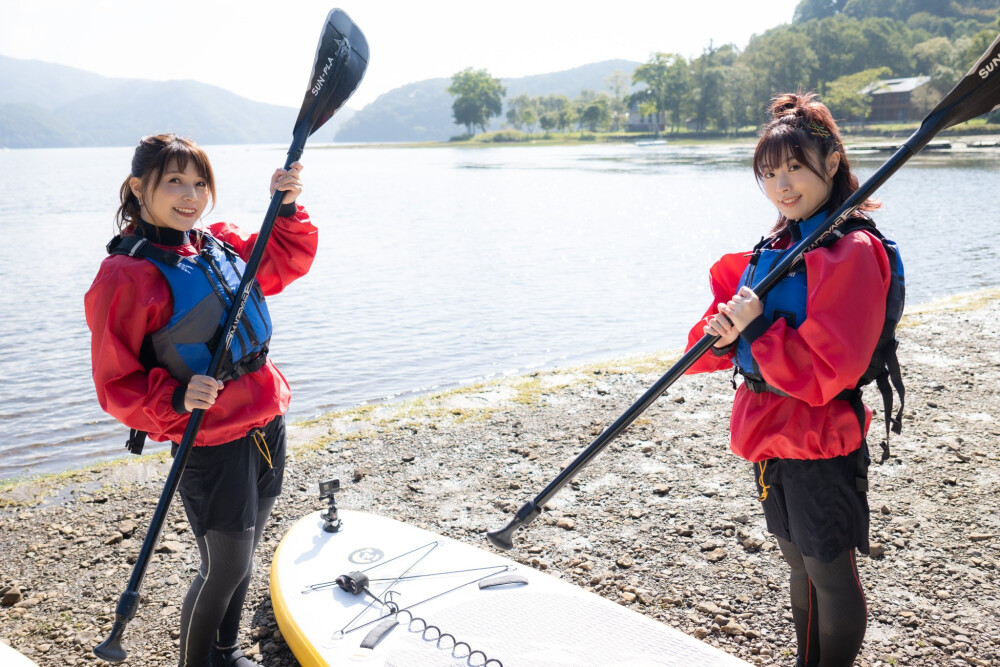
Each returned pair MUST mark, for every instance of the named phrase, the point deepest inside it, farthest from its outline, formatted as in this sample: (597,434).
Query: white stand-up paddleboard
(457,605)
(11,658)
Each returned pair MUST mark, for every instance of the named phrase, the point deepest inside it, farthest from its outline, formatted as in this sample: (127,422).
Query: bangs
(181,152)
(781,144)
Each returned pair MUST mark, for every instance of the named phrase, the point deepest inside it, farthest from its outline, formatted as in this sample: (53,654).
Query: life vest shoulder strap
(141,248)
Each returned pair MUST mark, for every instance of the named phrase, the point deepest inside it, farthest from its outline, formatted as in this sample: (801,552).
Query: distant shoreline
(872,135)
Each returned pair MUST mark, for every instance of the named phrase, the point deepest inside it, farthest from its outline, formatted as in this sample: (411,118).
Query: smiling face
(178,200)
(795,189)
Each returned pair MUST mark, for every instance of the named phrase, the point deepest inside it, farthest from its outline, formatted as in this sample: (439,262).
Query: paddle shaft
(530,510)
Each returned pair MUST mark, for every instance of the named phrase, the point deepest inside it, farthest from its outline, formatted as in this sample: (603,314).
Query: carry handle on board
(340,63)
(977,93)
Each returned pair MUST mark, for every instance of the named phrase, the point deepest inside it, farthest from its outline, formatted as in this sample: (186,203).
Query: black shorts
(815,504)
(221,485)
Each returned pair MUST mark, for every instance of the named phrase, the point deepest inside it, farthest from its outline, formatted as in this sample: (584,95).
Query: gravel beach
(664,521)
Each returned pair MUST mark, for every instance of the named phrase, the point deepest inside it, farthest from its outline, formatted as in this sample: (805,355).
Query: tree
(933,52)
(844,95)
(890,44)
(479,97)
(839,46)
(707,78)
(807,10)
(668,82)
(522,112)
(619,84)
(595,112)
(978,44)
(783,60)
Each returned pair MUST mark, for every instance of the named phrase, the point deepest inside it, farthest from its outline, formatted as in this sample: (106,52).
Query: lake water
(439,266)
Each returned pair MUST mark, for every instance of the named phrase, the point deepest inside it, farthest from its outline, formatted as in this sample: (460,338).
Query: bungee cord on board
(358,583)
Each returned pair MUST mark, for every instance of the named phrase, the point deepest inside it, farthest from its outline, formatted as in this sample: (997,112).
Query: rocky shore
(664,521)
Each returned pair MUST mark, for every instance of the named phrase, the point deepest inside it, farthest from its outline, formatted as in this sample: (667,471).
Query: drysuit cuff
(755,329)
(287,210)
(723,351)
(178,400)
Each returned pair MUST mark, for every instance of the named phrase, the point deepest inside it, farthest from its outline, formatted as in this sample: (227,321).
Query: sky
(264,51)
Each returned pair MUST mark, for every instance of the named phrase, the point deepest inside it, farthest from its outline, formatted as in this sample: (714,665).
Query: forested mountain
(47,105)
(835,47)
(421,111)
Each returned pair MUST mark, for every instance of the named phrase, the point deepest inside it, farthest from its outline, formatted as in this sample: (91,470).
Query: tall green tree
(593,110)
(522,112)
(668,82)
(618,84)
(478,97)
(839,45)
(707,78)
(783,60)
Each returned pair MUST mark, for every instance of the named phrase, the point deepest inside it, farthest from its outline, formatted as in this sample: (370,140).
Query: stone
(11,597)
(169,547)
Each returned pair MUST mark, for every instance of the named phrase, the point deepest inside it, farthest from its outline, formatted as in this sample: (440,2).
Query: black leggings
(213,606)
(828,608)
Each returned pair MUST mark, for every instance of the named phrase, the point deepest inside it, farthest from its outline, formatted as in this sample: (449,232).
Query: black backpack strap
(896,377)
(853,396)
(136,441)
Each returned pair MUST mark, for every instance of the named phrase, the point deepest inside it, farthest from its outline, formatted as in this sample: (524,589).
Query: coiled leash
(358,583)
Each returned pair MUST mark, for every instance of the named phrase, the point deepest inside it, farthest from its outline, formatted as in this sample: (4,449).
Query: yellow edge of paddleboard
(303,650)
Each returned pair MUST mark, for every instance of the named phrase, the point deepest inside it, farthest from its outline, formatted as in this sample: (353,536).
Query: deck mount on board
(331,522)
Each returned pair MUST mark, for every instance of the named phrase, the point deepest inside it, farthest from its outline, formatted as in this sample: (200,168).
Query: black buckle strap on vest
(136,441)
(137,246)
(760,385)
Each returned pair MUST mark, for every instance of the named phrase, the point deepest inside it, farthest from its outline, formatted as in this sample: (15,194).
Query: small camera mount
(331,522)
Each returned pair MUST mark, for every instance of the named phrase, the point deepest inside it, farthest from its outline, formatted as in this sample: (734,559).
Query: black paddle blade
(340,64)
(977,93)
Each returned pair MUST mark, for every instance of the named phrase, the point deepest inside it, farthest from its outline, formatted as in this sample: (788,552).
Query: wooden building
(897,100)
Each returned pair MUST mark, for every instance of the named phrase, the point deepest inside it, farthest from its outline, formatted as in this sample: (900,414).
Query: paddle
(977,93)
(340,63)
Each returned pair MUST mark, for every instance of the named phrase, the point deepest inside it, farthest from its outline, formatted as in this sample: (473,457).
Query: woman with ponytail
(155,312)
(801,351)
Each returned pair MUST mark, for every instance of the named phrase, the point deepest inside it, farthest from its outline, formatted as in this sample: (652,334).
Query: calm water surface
(439,266)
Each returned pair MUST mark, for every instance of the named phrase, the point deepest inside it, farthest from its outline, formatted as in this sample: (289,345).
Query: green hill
(48,105)
(421,111)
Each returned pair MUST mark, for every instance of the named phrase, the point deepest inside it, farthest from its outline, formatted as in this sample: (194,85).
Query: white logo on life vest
(366,556)
(990,66)
(239,313)
(322,77)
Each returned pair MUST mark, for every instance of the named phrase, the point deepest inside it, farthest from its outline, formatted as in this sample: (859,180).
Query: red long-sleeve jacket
(847,285)
(129,299)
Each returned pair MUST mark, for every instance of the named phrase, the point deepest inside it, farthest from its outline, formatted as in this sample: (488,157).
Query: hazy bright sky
(264,51)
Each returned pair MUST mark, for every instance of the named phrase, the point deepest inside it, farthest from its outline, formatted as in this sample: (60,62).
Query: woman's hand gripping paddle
(341,61)
(977,93)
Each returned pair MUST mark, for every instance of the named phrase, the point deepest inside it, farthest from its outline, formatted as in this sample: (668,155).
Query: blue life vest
(203,288)
(787,299)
